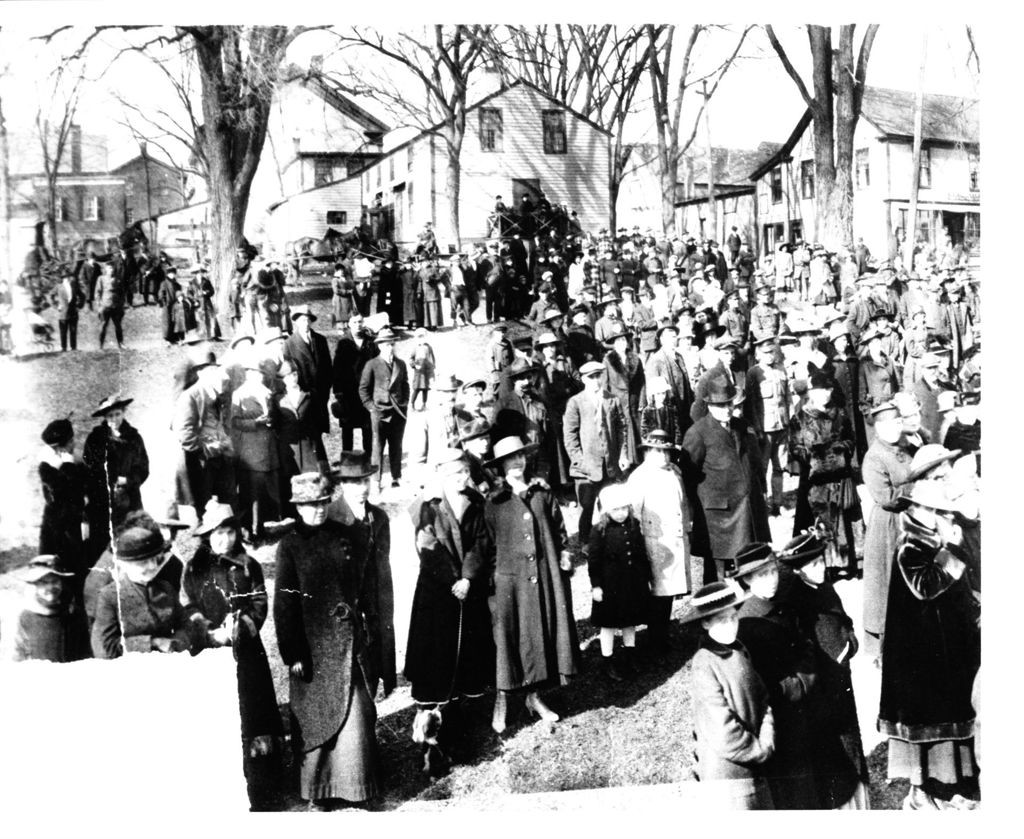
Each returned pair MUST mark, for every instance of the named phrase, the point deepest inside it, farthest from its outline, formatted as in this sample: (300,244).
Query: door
(525,186)
(954,225)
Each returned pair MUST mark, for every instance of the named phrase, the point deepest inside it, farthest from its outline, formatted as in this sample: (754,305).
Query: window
(490,129)
(806,178)
(973,159)
(94,208)
(796,230)
(776,184)
(554,131)
(862,169)
(323,171)
(339,217)
(62,210)
(925,172)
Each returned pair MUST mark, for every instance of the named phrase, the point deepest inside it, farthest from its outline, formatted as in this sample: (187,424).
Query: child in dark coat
(620,578)
(49,627)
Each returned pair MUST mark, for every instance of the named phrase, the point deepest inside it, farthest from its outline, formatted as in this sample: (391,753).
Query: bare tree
(5,198)
(668,97)
(443,59)
(835,105)
(972,51)
(55,125)
(595,70)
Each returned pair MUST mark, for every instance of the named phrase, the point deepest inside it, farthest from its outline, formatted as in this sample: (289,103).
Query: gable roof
(731,166)
(482,102)
(152,160)
(951,119)
(333,94)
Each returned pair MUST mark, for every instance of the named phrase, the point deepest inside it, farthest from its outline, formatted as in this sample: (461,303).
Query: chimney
(316,65)
(75,136)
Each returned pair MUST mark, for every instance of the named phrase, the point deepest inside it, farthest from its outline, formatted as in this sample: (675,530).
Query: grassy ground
(636,733)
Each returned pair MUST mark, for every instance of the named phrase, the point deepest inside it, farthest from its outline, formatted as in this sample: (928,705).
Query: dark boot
(610,670)
(628,658)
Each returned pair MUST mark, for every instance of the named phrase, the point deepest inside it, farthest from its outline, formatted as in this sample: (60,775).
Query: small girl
(734,725)
(620,579)
(422,363)
(49,627)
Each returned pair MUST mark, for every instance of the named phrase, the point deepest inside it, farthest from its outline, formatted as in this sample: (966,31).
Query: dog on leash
(425,727)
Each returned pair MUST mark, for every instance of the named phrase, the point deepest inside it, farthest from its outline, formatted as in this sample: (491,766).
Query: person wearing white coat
(660,505)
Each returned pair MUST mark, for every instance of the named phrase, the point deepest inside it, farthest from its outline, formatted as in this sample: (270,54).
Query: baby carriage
(42,332)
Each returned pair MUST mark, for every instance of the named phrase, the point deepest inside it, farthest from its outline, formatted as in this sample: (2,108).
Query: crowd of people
(665,388)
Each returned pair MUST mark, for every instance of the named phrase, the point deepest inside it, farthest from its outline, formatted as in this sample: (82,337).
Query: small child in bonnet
(49,628)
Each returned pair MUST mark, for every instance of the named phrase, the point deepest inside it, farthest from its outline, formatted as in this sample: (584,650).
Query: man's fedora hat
(385,336)
(720,391)
(658,439)
(111,403)
(751,558)
(448,384)
(508,446)
(352,466)
(139,542)
(303,311)
(714,598)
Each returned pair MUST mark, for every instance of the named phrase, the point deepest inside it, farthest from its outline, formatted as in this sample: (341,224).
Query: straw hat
(508,446)
(714,598)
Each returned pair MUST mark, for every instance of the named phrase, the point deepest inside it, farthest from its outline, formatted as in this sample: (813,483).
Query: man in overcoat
(667,364)
(384,392)
(722,456)
(311,357)
(355,347)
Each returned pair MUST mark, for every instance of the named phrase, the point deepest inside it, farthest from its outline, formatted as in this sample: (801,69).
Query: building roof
(484,101)
(944,119)
(731,166)
(152,160)
(334,95)
(952,119)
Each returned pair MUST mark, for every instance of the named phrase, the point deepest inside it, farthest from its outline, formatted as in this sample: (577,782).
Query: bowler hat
(111,403)
(658,439)
(752,557)
(41,567)
(714,598)
(303,311)
(310,488)
(801,549)
(58,432)
(720,391)
(508,446)
(353,466)
(139,542)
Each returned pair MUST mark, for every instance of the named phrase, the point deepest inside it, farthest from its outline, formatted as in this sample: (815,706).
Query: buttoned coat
(618,565)
(531,608)
(109,458)
(130,615)
(313,363)
(669,366)
(349,361)
(624,379)
(384,386)
(328,609)
(593,433)
(451,648)
(726,466)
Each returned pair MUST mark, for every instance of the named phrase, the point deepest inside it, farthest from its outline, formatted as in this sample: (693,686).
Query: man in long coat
(311,357)
(384,392)
(355,348)
(721,455)
(667,364)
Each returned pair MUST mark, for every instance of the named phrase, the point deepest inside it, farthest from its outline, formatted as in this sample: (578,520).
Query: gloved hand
(597,594)
(792,688)
(461,589)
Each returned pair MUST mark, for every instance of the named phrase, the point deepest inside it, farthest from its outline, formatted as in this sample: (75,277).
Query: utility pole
(712,209)
(910,236)
(149,198)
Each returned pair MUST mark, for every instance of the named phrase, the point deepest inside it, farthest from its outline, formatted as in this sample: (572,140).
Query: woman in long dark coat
(65,483)
(840,772)
(328,619)
(931,654)
(624,379)
(118,464)
(532,616)
(450,654)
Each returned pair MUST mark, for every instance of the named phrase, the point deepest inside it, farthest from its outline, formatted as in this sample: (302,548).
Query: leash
(458,653)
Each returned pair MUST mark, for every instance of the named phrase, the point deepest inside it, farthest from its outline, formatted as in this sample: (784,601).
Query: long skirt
(345,766)
(945,761)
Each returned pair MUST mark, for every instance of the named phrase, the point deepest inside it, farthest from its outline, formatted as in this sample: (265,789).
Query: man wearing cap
(723,468)
(333,633)
(115,455)
(593,432)
(309,353)
(384,392)
(206,465)
(355,348)
(450,653)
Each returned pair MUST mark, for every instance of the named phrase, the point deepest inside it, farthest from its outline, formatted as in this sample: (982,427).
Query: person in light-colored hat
(439,430)
(533,624)
(733,721)
(49,627)
(333,615)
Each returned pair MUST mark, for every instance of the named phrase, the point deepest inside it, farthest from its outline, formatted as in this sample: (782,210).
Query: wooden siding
(305,214)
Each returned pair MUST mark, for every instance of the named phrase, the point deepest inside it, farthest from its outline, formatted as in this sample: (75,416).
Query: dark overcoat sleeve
(288,623)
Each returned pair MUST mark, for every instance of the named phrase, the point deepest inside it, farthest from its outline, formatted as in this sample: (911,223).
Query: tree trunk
(712,209)
(915,177)
(453,180)
(667,178)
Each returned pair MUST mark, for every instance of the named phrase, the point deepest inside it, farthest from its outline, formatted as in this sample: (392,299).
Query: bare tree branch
(790,69)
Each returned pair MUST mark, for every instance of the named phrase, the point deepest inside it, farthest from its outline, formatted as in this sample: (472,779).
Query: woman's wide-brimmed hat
(801,549)
(310,488)
(751,558)
(353,466)
(659,439)
(930,494)
(58,432)
(547,339)
(216,514)
(112,403)
(927,458)
(508,446)
(242,339)
(551,314)
(617,332)
(592,368)
(714,598)
(41,567)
